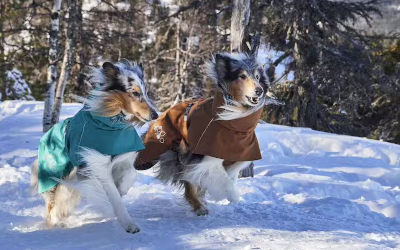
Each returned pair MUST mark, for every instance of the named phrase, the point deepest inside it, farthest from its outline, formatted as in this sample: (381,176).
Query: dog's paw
(201,211)
(132,228)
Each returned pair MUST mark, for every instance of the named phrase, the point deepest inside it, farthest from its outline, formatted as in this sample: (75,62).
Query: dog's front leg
(233,172)
(119,207)
(99,168)
(234,169)
(211,175)
(124,175)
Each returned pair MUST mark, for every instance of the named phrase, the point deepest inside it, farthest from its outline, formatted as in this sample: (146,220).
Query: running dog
(202,146)
(91,154)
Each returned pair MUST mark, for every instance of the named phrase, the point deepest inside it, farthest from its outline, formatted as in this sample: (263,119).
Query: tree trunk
(185,68)
(52,68)
(178,61)
(311,111)
(3,80)
(67,60)
(239,21)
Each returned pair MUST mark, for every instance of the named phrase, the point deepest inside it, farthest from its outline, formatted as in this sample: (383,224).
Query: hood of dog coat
(60,148)
(241,125)
(117,122)
(233,140)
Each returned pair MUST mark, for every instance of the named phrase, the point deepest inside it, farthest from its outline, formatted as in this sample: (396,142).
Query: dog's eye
(243,76)
(135,94)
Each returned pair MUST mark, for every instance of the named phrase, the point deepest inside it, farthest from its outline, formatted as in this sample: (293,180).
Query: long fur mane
(105,102)
(232,109)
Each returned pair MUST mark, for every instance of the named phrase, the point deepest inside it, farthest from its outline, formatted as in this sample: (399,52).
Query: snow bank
(312,190)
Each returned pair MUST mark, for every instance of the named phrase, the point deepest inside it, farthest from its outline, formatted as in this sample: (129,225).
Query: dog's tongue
(271,99)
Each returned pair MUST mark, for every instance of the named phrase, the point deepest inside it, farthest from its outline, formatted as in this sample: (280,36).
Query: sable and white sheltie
(243,83)
(120,90)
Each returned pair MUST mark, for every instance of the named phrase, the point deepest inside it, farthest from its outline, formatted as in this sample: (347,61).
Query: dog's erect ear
(110,70)
(222,65)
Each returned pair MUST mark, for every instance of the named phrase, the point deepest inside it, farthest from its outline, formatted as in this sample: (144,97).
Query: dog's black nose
(154,115)
(259,91)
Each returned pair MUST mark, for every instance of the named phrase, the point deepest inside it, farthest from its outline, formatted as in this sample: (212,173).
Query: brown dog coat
(233,140)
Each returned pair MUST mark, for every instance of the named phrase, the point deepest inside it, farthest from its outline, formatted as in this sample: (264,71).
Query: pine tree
(329,56)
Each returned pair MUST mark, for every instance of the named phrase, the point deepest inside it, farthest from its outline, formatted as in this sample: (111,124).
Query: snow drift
(312,190)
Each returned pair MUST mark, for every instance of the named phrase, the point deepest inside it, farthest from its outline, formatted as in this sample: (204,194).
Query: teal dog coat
(60,147)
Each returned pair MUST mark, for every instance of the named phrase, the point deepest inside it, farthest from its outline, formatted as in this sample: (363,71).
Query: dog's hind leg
(35,176)
(201,193)
(61,200)
(192,197)
(48,197)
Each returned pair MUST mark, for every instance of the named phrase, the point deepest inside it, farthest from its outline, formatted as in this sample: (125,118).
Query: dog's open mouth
(253,100)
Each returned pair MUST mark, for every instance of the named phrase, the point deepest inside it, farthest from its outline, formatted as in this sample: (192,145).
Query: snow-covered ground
(312,190)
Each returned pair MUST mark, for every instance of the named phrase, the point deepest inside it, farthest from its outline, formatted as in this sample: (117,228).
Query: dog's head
(242,80)
(121,89)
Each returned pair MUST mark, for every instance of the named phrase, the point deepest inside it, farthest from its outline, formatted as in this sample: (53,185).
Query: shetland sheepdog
(242,82)
(120,95)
